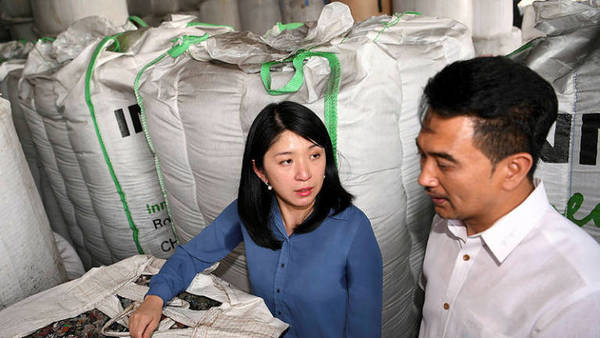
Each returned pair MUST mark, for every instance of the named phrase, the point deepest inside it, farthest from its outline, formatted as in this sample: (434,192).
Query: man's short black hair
(512,106)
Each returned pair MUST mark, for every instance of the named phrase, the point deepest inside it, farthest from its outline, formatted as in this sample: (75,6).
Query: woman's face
(295,168)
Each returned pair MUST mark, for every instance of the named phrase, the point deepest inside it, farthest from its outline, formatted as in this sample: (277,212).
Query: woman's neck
(292,217)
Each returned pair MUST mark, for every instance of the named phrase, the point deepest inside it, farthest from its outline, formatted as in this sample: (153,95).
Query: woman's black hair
(255,200)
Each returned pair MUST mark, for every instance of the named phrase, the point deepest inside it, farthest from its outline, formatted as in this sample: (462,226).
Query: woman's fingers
(145,319)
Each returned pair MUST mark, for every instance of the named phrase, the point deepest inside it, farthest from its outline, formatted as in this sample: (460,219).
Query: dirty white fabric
(29,260)
(239,315)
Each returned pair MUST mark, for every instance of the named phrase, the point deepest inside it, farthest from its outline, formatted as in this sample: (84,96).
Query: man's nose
(427,177)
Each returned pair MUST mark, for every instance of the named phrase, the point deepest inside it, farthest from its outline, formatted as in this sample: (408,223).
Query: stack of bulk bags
(569,58)
(220,12)
(109,288)
(493,32)
(17,16)
(199,107)
(152,7)
(37,99)
(258,16)
(364,9)
(301,10)
(96,98)
(52,17)
(29,260)
(490,21)
(10,73)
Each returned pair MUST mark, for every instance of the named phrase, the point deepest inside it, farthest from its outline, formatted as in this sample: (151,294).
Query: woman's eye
(315,156)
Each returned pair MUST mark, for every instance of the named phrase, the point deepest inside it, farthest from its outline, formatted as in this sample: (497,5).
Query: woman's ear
(516,168)
(259,173)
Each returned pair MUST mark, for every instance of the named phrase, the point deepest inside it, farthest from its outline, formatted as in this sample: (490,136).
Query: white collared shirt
(532,274)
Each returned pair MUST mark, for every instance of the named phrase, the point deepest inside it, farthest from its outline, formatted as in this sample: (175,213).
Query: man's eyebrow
(445,156)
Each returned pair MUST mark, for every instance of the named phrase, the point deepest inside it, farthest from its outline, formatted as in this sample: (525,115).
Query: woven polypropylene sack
(258,16)
(239,315)
(569,58)
(37,98)
(95,92)
(220,12)
(29,260)
(301,10)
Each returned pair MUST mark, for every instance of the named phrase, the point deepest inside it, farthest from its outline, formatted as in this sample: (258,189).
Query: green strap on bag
(88,99)
(331,94)
(179,47)
(136,20)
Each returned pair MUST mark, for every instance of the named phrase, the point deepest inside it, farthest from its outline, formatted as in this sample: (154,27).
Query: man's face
(457,176)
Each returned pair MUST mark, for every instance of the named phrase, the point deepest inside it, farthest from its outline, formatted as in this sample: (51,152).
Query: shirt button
(466,257)
(282,265)
(446,306)
(279,312)
(278,290)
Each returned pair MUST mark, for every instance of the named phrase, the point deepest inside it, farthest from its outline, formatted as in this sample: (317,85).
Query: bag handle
(331,94)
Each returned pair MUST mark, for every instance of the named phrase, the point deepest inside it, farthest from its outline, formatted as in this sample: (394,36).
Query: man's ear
(515,170)
(259,173)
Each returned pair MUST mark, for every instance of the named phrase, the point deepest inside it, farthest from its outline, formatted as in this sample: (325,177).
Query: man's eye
(285,162)
(442,166)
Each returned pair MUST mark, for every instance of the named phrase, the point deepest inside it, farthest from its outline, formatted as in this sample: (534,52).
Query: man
(500,261)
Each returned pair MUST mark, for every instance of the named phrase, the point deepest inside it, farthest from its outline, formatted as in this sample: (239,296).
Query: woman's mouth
(303,192)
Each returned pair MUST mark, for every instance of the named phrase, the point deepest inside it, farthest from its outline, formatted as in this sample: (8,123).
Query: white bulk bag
(10,89)
(200,149)
(37,98)
(220,12)
(239,315)
(569,58)
(152,7)
(95,92)
(300,10)
(258,16)
(501,44)
(485,18)
(70,259)
(29,260)
(52,17)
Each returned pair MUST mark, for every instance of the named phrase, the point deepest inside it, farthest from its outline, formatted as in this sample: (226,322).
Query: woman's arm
(365,284)
(211,245)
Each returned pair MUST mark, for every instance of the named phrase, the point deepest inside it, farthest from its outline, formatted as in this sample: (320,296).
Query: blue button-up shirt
(326,283)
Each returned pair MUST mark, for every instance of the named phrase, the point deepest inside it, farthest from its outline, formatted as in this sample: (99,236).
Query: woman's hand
(146,318)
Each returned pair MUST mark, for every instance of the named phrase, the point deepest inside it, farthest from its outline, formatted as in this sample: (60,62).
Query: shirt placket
(280,277)
(462,265)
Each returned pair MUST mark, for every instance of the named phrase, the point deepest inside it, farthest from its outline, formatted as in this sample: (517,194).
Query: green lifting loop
(137,20)
(331,94)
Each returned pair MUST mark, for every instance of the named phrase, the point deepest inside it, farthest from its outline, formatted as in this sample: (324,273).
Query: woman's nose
(303,171)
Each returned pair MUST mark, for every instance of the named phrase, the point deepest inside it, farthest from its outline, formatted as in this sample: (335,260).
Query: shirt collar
(504,235)
(277,221)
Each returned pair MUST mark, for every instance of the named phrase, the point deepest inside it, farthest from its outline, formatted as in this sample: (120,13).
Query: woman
(312,255)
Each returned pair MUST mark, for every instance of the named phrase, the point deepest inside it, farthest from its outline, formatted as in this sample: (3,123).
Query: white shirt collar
(508,231)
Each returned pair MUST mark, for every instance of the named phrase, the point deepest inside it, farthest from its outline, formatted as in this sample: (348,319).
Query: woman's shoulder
(352,215)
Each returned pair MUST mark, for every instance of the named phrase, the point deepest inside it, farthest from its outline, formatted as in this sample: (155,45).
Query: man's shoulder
(578,251)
